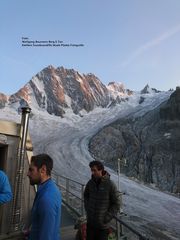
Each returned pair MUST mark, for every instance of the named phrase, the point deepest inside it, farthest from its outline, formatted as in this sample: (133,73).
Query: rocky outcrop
(150,144)
(23,93)
(171,111)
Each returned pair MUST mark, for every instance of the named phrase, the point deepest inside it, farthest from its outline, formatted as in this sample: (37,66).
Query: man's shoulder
(2,176)
(113,186)
(2,173)
(111,183)
(52,188)
(50,185)
(90,182)
(50,191)
(50,198)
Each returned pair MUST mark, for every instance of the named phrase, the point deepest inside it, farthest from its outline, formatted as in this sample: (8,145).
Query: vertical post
(82,200)
(119,189)
(17,198)
(117,223)
(58,180)
(67,191)
(119,170)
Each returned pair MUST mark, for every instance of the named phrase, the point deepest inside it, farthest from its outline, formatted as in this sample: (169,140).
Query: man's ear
(43,169)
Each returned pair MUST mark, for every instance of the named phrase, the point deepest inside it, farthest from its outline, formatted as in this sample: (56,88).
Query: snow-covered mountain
(57,90)
(150,211)
(66,139)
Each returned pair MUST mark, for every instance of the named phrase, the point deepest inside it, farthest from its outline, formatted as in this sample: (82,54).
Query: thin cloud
(151,44)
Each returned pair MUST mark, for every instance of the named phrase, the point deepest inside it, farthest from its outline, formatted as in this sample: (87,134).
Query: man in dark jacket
(102,201)
(46,210)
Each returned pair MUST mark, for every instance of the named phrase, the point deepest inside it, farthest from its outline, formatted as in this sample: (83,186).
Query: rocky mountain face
(150,144)
(57,89)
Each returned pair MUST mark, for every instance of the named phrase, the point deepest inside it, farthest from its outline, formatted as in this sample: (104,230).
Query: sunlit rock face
(58,89)
(3,100)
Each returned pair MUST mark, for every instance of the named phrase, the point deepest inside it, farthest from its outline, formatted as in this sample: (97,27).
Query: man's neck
(45,178)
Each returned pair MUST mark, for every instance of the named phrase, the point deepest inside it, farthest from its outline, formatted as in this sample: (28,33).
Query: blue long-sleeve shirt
(46,213)
(5,189)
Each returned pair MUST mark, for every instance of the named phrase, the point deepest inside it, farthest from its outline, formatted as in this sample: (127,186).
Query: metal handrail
(81,199)
(72,180)
(141,237)
(60,186)
(68,192)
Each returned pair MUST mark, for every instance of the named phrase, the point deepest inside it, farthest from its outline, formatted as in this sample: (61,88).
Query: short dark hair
(98,164)
(43,159)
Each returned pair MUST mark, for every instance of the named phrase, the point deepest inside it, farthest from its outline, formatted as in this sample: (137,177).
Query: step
(68,233)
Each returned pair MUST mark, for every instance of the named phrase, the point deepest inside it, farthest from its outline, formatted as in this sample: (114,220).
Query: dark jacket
(46,213)
(102,201)
(5,189)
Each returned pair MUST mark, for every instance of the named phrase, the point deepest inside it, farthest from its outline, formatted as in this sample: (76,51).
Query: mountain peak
(117,90)
(147,89)
(56,90)
(51,67)
(116,86)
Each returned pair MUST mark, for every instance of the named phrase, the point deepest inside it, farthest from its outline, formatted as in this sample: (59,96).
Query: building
(15,154)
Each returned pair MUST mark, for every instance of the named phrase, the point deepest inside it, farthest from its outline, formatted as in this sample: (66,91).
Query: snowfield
(66,140)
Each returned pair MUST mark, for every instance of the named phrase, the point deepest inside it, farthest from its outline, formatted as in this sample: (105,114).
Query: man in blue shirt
(46,210)
(5,189)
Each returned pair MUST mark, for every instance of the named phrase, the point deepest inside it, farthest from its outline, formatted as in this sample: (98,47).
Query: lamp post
(119,170)
(120,161)
(119,226)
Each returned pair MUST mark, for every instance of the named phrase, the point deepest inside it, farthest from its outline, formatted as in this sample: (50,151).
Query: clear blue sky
(130,41)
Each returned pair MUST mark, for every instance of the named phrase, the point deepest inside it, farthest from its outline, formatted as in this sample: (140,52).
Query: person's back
(5,189)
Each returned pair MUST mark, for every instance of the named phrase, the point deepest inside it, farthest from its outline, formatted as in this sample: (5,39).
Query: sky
(135,42)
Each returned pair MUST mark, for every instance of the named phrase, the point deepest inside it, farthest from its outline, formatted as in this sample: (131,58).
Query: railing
(72,195)
(127,232)
(12,236)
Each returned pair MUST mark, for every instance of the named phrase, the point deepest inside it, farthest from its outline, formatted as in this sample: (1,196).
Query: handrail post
(56,180)
(139,235)
(67,191)
(58,177)
(82,200)
(118,228)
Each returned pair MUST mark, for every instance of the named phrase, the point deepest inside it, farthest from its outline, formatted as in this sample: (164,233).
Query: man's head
(97,168)
(40,168)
